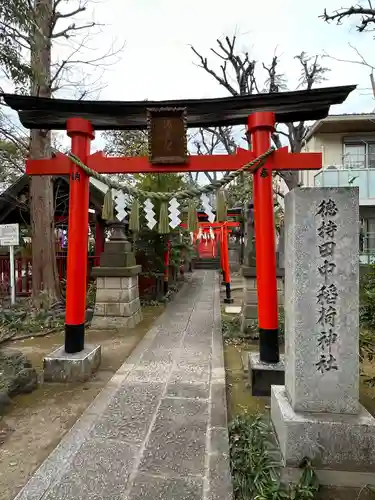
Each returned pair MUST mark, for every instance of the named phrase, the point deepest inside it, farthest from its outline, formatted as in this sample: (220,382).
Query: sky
(157,61)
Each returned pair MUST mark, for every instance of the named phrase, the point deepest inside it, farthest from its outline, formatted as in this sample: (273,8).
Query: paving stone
(130,412)
(197,343)
(190,380)
(147,487)
(160,355)
(191,372)
(190,390)
(99,471)
(167,341)
(151,372)
(196,354)
(178,438)
(197,332)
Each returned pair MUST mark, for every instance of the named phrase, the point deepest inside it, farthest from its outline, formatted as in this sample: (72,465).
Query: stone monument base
(339,442)
(344,485)
(264,375)
(60,366)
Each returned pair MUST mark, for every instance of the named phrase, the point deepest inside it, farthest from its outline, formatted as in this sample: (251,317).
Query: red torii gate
(260,126)
(293,106)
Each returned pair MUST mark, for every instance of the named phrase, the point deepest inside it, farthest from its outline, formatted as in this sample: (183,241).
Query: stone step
(207,264)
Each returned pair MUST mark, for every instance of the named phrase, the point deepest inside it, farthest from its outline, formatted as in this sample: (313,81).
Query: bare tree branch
(240,68)
(67,32)
(222,81)
(275,81)
(367,15)
(311,70)
(362,61)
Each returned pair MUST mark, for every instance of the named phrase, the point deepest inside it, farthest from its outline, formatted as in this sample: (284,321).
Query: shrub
(255,472)
(231,326)
(367,299)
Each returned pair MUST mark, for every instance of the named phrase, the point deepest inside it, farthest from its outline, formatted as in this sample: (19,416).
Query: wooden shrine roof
(37,112)
(14,201)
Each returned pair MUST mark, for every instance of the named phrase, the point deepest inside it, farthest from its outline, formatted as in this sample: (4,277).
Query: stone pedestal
(317,413)
(117,302)
(60,366)
(234,258)
(250,298)
(264,375)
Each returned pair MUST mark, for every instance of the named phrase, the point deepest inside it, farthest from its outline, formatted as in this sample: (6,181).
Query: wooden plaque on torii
(167,142)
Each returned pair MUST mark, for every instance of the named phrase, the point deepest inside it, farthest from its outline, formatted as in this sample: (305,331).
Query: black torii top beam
(301,105)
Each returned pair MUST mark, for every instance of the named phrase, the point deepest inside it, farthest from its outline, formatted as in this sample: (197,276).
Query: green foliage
(164,183)
(149,244)
(366,353)
(125,143)
(254,469)
(16,21)
(367,321)
(91,294)
(11,161)
(30,322)
(367,299)
(231,327)
(240,192)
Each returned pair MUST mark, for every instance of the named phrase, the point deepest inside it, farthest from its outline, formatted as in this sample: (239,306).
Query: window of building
(359,154)
(367,236)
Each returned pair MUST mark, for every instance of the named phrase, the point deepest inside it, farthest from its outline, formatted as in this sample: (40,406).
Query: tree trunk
(44,268)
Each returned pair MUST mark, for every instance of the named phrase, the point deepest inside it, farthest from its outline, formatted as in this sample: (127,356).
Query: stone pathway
(159,428)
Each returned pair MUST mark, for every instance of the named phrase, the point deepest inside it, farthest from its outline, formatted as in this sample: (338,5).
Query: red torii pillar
(81,133)
(261,125)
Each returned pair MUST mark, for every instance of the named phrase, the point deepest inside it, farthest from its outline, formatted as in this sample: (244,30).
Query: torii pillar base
(60,366)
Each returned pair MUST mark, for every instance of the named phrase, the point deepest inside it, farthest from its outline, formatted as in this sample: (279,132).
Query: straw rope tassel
(107,211)
(134,216)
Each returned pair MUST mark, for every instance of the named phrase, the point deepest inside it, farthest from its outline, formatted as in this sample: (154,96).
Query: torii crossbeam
(302,105)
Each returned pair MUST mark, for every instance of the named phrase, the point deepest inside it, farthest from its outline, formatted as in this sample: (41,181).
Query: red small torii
(221,229)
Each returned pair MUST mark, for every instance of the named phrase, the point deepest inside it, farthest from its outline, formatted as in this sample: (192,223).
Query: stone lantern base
(117,298)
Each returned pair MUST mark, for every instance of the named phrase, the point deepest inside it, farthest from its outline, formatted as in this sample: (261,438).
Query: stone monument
(117,302)
(317,413)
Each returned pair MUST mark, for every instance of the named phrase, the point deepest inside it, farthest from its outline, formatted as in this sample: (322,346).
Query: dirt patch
(36,422)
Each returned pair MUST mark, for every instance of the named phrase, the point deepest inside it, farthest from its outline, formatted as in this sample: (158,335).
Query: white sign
(9,235)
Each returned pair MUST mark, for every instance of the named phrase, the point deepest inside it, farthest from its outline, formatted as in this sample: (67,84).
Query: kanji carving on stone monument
(327,293)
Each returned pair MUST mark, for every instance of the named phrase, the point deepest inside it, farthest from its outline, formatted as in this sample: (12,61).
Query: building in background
(347,143)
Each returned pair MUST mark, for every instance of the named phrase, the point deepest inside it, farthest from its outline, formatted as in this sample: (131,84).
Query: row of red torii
(288,106)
